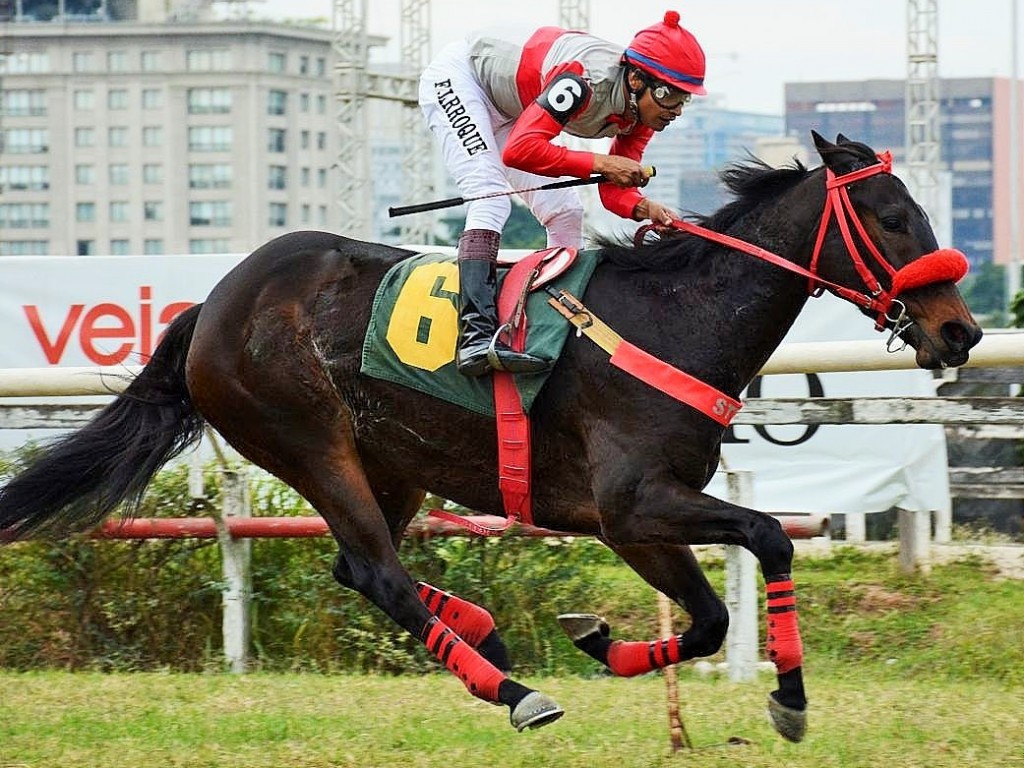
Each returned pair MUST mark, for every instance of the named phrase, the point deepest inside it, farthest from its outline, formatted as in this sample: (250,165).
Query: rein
(938,266)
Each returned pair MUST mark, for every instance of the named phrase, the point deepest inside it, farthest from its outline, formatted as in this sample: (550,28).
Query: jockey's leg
(478,310)
(474,624)
(560,211)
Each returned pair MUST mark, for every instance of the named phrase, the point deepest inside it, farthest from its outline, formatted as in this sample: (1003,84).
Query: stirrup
(492,349)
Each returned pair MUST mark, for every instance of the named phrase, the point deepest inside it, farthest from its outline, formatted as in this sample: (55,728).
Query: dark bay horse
(272,361)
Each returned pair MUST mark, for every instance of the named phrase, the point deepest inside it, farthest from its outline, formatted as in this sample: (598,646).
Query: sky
(753,47)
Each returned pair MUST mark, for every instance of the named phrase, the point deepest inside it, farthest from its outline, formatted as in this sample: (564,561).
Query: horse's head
(876,240)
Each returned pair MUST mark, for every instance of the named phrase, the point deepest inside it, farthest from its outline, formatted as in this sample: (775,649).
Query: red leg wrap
(479,676)
(472,622)
(630,659)
(785,647)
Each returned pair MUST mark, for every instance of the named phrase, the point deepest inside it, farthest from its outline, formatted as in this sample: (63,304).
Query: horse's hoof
(534,711)
(790,723)
(580,625)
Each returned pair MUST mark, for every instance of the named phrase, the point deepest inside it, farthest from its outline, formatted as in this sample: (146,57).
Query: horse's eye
(892,224)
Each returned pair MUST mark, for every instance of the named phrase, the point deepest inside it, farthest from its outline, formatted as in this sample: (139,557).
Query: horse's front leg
(659,510)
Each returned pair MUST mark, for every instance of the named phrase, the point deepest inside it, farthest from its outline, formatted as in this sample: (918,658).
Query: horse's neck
(762,301)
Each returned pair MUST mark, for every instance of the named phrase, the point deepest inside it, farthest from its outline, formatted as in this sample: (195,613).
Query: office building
(126,135)
(974,141)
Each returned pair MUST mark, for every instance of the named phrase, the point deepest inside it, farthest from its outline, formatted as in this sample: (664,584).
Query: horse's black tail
(81,478)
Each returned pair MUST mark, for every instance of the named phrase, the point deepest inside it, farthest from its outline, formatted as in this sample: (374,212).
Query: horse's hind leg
(399,503)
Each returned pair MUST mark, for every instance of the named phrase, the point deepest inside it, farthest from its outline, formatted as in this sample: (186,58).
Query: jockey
(495,102)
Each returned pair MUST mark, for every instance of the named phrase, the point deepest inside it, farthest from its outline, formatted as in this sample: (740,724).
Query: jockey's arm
(626,201)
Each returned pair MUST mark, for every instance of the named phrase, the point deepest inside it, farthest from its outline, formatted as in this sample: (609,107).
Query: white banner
(86,311)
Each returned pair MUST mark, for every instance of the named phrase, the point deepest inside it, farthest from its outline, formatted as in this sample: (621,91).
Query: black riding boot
(478,312)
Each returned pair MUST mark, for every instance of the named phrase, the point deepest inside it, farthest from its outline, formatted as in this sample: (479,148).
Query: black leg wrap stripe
(425,632)
(777,577)
(781,608)
(780,593)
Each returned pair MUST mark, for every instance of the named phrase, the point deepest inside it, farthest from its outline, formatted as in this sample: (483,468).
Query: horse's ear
(821,143)
(842,157)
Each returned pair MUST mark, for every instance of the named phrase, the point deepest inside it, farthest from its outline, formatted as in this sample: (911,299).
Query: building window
(304,140)
(85,137)
(117,137)
(306,214)
(214,60)
(23,103)
(85,174)
(210,138)
(153,210)
(279,215)
(117,61)
(277,63)
(24,247)
(210,213)
(85,247)
(276,102)
(321,211)
(321,178)
(120,247)
(150,61)
(208,245)
(84,100)
(321,140)
(153,246)
(275,140)
(304,177)
(25,64)
(210,176)
(277,177)
(303,102)
(152,98)
(119,210)
(26,178)
(24,215)
(118,174)
(152,136)
(85,212)
(81,62)
(152,174)
(303,65)
(321,104)
(209,101)
(321,66)
(25,141)
(117,99)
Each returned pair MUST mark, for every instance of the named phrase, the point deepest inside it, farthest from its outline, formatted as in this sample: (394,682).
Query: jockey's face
(654,115)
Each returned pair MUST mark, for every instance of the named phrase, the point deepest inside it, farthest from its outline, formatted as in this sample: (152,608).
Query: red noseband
(935,267)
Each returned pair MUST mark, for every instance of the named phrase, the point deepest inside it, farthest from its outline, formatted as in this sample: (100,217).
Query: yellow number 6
(424,324)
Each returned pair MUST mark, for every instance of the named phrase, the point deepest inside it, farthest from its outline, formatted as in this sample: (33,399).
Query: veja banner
(88,311)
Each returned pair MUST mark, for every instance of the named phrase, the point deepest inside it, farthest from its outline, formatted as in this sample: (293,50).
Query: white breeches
(472,133)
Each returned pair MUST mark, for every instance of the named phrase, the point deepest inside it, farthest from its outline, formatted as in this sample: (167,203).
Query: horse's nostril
(959,336)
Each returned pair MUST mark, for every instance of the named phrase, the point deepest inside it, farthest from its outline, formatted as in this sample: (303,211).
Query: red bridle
(938,266)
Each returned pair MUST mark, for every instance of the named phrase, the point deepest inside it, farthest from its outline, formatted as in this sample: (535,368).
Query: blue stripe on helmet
(631,54)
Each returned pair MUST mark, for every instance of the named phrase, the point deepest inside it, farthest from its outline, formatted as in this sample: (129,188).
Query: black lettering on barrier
(814,389)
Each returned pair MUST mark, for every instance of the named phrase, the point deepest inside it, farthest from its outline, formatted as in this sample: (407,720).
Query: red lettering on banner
(53,351)
(106,322)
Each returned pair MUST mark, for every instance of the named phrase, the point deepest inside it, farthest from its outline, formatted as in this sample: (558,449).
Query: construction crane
(922,104)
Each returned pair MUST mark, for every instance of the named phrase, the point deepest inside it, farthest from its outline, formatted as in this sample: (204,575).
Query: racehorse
(271,360)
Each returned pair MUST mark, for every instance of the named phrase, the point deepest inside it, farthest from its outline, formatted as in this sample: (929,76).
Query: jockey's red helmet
(668,52)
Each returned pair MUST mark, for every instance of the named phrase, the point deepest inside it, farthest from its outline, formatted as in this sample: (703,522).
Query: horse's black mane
(751,182)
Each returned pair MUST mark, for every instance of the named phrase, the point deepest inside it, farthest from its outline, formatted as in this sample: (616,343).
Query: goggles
(667,97)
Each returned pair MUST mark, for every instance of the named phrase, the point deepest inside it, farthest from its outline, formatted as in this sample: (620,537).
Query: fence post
(915,541)
(236,556)
(741,590)
(856,528)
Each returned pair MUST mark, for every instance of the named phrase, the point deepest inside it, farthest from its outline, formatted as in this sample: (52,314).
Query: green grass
(866,719)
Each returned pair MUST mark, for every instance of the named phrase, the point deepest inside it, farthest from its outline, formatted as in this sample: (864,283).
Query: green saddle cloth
(415,326)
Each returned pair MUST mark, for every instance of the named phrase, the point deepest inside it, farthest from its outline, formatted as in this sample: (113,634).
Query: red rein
(936,267)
